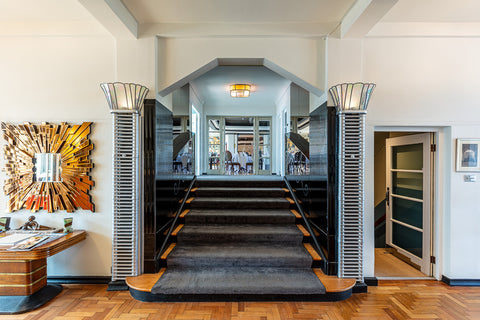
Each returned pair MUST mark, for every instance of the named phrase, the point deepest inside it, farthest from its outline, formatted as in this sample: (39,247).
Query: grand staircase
(239,241)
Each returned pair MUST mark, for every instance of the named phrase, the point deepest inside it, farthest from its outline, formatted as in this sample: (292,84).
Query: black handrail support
(318,248)
(180,209)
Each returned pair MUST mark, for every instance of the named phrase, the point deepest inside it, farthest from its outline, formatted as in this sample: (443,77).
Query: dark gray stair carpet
(239,192)
(233,183)
(239,216)
(238,281)
(240,203)
(239,255)
(285,234)
(239,238)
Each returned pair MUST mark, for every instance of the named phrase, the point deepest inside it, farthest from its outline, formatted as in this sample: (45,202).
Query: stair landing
(336,289)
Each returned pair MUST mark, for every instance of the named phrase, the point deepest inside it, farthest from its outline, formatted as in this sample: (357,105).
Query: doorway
(239,145)
(403,204)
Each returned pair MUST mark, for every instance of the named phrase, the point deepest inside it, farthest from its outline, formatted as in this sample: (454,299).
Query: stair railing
(174,223)
(306,222)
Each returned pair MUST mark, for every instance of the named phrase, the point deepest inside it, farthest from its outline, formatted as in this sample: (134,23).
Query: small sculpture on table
(31,224)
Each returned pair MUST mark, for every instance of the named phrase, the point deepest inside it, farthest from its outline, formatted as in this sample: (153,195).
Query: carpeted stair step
(239,192)
(213,234)
(239,255)
(240,203)
(240,183)
(239,216)
(238,281)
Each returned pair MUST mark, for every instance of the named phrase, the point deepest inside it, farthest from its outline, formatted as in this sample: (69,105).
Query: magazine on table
(33,242)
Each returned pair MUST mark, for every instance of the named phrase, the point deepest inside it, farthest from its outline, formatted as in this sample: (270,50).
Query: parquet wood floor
(390,300)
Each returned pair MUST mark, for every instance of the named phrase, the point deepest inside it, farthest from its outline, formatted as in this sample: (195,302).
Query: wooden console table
(23,274)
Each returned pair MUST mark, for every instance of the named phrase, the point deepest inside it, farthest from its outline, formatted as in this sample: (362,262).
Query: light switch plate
(470,178)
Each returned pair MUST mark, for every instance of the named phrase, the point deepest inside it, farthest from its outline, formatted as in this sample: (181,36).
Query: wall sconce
(240,90)
(124,96)
(351,96)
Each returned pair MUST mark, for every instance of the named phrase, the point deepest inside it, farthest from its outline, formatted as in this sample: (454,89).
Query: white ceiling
(213,86)
(434,11)
(248,11)
(43,10)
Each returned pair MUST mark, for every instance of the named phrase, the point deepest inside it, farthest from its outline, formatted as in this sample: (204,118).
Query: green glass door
(408,198)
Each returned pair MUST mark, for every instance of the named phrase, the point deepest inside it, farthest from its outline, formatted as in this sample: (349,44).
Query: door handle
(387,197)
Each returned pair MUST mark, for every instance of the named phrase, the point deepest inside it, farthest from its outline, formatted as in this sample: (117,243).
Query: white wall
(282,105)
(179,57)
(135,62)
(57,79)
(424,83)
(196,100)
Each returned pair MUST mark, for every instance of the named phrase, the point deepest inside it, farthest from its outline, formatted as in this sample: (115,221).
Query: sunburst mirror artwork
(48,167)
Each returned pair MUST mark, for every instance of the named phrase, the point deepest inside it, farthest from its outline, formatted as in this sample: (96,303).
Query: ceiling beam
(362,17)
(215,29)
(242,62)
(114,16)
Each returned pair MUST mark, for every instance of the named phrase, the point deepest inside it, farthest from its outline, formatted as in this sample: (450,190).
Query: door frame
(426,140)
(256,161)
(440,190)
(221,157)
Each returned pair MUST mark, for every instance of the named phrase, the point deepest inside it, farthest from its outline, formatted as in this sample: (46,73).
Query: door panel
(215,143)
(407,157)
(408,202)
(408,239)
(408,184)
(407,211)
(264,145)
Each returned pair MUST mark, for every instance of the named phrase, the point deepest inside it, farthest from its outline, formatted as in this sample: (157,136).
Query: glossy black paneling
(162,188)
(317,190)
(318,141)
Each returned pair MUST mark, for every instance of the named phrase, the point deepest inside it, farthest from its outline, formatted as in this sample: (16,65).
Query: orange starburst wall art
(48,167)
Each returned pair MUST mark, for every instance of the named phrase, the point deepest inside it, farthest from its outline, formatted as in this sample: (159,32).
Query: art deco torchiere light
(126,102)
(351,101)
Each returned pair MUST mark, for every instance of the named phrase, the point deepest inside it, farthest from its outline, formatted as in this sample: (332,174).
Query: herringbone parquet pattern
(390,300)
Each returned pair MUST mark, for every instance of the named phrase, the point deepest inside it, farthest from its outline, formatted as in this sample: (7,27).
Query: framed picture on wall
(468,155)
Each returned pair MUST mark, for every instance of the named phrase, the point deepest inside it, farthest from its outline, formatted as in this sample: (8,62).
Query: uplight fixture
(351,96)
(351,101)
(126,101)
(240,90)
(124,96)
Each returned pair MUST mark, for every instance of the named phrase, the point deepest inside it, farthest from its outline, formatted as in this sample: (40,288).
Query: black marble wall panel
(317,191)
(163,140)
(318,141)
(162,189)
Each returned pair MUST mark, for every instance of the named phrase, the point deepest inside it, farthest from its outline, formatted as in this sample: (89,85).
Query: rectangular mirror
(48,167)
